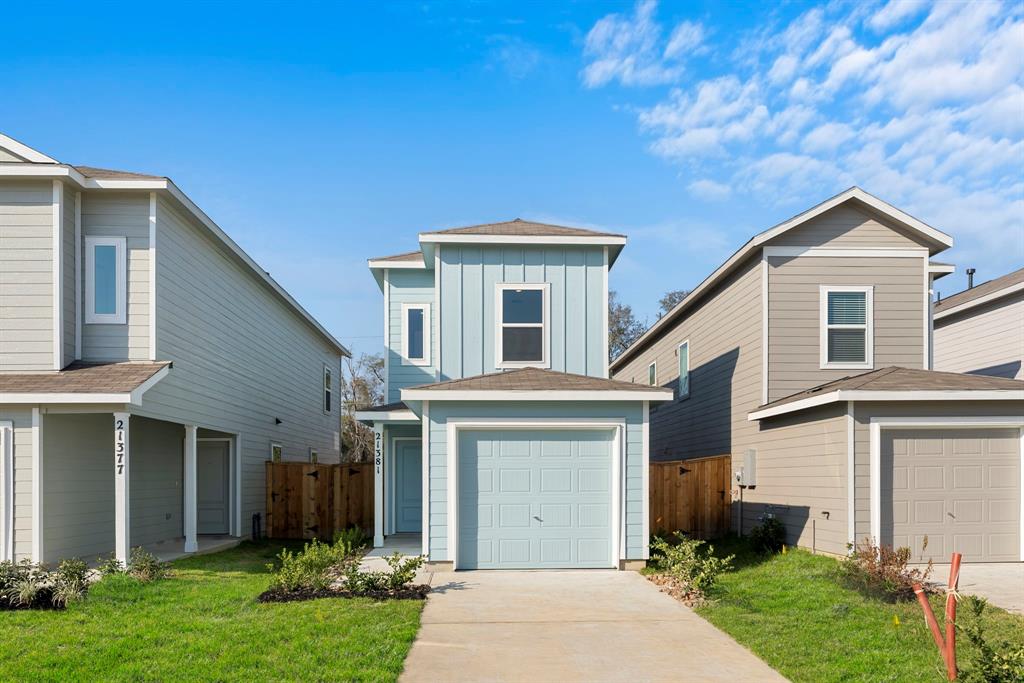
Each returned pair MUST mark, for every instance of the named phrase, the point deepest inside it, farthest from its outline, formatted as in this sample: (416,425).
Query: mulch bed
(677,590)
(414,592)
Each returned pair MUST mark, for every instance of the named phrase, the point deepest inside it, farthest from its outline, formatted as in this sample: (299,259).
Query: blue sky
(320,135)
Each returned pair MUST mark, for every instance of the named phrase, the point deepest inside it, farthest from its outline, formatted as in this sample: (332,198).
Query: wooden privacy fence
(691,496)
(314,501)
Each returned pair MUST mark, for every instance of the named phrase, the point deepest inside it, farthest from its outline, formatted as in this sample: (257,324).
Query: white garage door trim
(879,423)
(454,425)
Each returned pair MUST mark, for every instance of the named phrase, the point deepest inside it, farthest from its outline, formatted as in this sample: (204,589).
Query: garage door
(534,499)
(960,488)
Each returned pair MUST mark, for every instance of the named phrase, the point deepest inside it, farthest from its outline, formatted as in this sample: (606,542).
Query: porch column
(122,462)
(190,492)
(378,485)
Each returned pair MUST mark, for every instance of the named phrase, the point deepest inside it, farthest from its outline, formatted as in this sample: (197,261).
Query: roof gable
(13,151)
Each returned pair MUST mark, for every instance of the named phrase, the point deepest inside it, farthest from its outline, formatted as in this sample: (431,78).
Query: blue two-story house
(502,442)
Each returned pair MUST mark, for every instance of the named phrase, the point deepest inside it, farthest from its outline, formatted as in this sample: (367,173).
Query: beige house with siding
(148,367)
(981,329)
(807,357)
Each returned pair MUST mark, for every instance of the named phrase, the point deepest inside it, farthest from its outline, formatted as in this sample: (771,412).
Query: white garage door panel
(534,499)
(957,488)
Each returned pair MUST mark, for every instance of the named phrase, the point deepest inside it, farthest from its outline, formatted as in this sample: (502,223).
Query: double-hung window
(416,334)
(846,327)
(683,386)
(522,338)
(106,280)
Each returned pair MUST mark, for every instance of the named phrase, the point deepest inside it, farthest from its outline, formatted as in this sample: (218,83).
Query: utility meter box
(747,474)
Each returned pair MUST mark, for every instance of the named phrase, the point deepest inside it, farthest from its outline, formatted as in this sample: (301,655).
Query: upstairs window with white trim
(846,327)
(328,389)
(522,337)
(106,277)
(683,386)
(652,374)
(416,334)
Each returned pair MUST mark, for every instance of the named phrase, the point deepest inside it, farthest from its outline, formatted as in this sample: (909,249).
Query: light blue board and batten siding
(629,412)
(468,279)
(408,287)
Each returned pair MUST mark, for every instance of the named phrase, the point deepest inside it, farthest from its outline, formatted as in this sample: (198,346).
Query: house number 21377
(119,447)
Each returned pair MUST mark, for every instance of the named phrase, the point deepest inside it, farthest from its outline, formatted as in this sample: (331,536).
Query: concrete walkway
(1002,583)
(569,626)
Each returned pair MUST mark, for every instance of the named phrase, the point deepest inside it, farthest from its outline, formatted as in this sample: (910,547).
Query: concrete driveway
(1001,583)
(569,626)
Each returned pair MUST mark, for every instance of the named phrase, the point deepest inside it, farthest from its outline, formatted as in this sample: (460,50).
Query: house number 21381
(119,447)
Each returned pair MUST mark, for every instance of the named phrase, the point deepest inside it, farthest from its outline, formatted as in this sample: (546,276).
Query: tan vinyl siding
(988,339)
(864,411)
(725,372)
(845,226)
(242,357)
(8,156)
(794,315)
(120,214)
(801,473)
(68,245)
(21,417)
(26,276)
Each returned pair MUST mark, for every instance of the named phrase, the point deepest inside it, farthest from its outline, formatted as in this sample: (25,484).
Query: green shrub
(359,581)
(690,562)
(70,582)
(403,569)
(988,661)
(144,566)
(882,571)
(353,538)
(310,569)
(769,536)
(107,566)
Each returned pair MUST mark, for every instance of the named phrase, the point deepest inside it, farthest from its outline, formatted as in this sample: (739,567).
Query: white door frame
(390,465)
(235,481)
(877,424)
(6,491)
(617,426)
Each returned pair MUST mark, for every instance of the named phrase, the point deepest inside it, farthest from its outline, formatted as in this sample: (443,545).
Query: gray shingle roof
(403,257)
(978,291)
(110,174)
(385,408)
(82,378)
(534,379)
(519,227)
(906,379)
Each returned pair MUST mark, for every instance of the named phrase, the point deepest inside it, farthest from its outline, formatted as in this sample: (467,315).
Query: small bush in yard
(690,562)
(70,582)
(882,571)
(353,537)
(26,585)
(988,661)
(310,569)
(144,566)
(769,536)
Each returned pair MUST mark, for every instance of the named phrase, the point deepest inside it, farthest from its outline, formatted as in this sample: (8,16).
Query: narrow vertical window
(522,334)
(105,280)
(683,388)
(416,334)
(846,322)
(652,374)
(328,389)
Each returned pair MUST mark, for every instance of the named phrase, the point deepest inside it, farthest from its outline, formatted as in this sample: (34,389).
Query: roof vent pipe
(970,278)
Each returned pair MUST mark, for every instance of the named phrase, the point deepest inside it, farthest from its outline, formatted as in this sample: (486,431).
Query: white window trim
(327,387)
(6,491)
(426,334)
(868,327)
(652,381)
(679,394)
(273,445)
(545,326)
(118,317)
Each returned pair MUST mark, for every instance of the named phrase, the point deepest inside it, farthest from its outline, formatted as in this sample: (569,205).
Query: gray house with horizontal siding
(808,357)
(148,367)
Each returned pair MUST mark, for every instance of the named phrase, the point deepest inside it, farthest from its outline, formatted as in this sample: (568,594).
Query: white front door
(213,477)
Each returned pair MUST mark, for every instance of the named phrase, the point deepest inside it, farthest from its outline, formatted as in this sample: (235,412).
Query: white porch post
(378,485)
(191,542)
(122,462)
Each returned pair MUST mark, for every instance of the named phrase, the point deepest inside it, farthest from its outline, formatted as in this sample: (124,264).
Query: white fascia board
(137,392)
(38,399)
(943,268)
(396,265)
(24,151)
(386,416)
(979,301)
(434,395)
(758,240)
(521,239)
(861,252)
(23,170)
(861,395)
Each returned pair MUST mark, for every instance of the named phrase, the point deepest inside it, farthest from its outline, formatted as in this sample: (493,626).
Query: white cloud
(894,12)
(827,137)
(783,68)
(628,49)
(709,190)
(514,55)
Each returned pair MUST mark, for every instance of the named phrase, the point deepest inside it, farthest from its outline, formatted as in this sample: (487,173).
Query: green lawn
(204,623)
(792,612)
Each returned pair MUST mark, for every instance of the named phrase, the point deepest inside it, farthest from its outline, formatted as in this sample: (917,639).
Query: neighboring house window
(846,327)
(328,385)
(105,280)
(683,388)
(522,338)
(276,452)
(652,374)
(416,334)
(313,456)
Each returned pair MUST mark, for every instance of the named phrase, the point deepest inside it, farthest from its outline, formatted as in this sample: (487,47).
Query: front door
(408,486)
(213,475)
